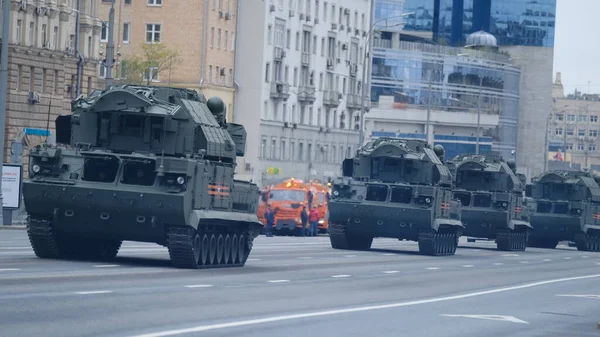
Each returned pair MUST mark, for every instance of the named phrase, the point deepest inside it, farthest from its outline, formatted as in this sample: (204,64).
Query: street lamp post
(4,93)
(367,60)
(478,115)
(110,46)
(546,145)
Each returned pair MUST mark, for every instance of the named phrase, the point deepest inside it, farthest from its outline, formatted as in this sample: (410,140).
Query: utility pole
(478,115)
(110,46)
(546,145)
(4,93)
(367,61)
(77,51)
(428,122)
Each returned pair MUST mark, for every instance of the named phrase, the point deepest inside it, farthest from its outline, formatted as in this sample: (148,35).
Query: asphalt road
(302,287)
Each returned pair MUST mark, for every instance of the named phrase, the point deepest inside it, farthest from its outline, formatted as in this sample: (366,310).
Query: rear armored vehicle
(491,195)
(395,188)
(140,163)
(567,208)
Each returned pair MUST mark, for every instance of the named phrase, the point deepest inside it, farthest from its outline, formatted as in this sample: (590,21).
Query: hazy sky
(577,44)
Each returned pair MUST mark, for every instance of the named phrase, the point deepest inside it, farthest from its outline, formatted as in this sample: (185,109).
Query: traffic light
(273,170)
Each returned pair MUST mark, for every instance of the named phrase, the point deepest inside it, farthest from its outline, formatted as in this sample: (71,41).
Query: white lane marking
(391,272)
(340,276)
(349,255)
(199,286)
(433,268)
(10,269)
(93,292)
(389,254)
(305,257)
(106,266)
(547,260)
(253,259)
(278,281)
(272,319)
(585,257)
(595,297)
(468,266)
(567,258)
(498,264)
(524,261)
(510,255)
(512,319)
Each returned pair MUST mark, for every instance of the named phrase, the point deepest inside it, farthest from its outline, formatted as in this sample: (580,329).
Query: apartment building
(202,33)
(43,66)
(299,81)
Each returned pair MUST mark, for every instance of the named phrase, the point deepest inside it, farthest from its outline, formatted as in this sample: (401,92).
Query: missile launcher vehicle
(395,188)
(491,195)
(148,164)
(567,208)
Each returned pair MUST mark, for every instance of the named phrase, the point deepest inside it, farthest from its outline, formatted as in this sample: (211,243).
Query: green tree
(152,60)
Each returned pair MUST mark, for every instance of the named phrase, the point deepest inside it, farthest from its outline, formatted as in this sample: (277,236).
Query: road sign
(493,318)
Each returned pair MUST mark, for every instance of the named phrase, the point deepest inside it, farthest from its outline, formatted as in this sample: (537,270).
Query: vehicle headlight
(336,193)
(180,180)
(36,168)
(503,204)
(428,200)
(321,221)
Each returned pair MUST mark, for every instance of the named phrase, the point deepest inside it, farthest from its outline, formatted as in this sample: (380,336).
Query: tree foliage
(152,60)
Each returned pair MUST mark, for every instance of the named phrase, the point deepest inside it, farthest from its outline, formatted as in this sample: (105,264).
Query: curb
(13,227)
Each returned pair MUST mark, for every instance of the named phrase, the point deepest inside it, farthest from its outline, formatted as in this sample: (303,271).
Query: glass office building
(512,22)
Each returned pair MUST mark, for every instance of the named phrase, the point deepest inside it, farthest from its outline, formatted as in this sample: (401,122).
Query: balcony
(278,53)
(306,94)
(353,101)
(305,59)
(331,98)
(280,90)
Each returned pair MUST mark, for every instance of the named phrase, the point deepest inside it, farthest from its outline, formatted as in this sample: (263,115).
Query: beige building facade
(42,67)
(202,32)
(573,130)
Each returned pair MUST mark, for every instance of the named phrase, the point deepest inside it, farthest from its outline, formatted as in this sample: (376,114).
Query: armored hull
(157,169)
(401,201)
(565,206)
(491,195)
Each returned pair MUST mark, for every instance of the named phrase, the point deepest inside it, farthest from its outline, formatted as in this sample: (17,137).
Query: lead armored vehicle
(491,195)
(567,208)
(395,188)
(147,164)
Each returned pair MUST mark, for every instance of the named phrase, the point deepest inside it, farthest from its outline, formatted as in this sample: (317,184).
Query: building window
(558,131)
(559,117)
(151,75)
(570,118)
(104,32)
(154,2)
(570,132)
(593,133)
(288,39)
(219,38)
(583,118)
(126,26)
(90,46)
(569,146)
(128,2)
(55,37)
(580,147)
(101,70)
(232,41)
(152,33)
(267,71)
(225,36)
(212,37)
(581,132)
(594,119)
(592,147)
(270,34)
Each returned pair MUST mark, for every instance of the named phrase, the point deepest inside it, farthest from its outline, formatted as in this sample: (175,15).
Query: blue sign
(37,132)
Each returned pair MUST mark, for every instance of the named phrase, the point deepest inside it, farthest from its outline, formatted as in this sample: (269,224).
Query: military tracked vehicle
(491,195)
(148,164)
(567,207)
(395,188)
